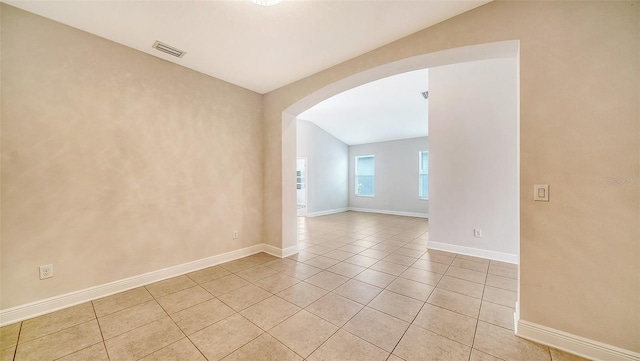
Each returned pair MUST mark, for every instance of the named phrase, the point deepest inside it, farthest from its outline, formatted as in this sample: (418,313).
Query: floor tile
(437,257)
(60,343)
(180,300)
(224,337)
(413,289)
(208,274)
(238,265)
(419,275)
(327,280)
(509,272)
(345,346)
(361,260)
(335,309)
(182,350)
(261,258)
(302,294)
(303,256)
(202,315)
(358,291)
(277,282)
(128,319)
(413,253)
(481,356)
(95,352)
(9,335)
(497,315)
(144,340)
(346,269)
(399,259)
(339,255)
(456,302)
(352,248)
(502,343)
(270,312)
(56,321)
(458,285)
(421,344)
(396,305)
(467,274)
(170,285)
(376,327)
(502,282)
(256,273)
(280,264)
(303,332)
(430,266)
(263,348)
(244,297)
(120,301)
(319,249)
(224,285)
(7,354)
(376,278)
(322,262)
(499,296)
(372,253)
(471,264)
(389,267)
(447,323)
(301,271)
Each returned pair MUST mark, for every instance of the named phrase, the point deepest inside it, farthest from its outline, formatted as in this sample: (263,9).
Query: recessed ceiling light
(265,2)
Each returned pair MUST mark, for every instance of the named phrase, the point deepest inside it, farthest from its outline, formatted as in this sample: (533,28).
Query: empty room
(169,191)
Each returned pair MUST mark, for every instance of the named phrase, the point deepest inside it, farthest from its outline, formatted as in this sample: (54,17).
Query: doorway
(301,186)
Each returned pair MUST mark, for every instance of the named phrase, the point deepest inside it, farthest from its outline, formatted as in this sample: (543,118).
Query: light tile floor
(363,287)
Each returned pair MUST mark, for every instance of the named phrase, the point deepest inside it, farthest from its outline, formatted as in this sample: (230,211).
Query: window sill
(423,199)
(365,195)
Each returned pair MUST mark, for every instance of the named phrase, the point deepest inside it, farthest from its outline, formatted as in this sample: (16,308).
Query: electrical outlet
(46,271)
(235,234)
(477,233)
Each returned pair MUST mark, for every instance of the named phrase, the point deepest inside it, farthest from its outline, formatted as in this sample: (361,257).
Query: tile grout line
(93,306)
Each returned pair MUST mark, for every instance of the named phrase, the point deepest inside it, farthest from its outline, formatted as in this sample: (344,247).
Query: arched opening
(497,50)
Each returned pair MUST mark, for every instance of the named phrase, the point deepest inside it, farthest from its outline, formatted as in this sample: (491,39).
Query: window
(365,176)
(423,174)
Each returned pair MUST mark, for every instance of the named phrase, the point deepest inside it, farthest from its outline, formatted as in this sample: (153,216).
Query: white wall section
(473,151)
(327,164)
(396,182)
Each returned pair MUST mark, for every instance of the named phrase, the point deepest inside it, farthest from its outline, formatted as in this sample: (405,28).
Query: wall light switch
(541,192)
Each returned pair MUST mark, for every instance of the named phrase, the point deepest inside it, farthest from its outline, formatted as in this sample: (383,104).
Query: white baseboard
(395,213)
(327,212)
(590,349)
(37,308)
(497,256)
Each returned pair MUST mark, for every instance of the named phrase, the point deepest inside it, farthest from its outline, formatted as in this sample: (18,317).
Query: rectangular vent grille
(425,95)
(168,49)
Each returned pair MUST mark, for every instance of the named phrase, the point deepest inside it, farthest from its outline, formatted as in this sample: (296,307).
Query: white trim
(395,213)
(327,212)
(37,308)
(583,347)
(477,252)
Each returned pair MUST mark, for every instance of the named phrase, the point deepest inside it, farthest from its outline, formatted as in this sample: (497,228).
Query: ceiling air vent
(425,95)
(168,49)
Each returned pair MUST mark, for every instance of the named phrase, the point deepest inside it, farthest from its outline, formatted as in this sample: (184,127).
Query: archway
(504,49)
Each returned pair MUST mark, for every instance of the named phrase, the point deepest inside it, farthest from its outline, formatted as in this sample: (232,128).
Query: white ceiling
(387,109)
(256,47)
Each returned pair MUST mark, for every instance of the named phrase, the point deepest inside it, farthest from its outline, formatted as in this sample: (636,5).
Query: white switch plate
(541,192)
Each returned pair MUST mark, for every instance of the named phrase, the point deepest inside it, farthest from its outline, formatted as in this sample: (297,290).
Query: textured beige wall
(116,163)
(580,133)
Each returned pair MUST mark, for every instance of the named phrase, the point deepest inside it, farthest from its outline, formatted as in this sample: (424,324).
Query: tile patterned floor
(363,287)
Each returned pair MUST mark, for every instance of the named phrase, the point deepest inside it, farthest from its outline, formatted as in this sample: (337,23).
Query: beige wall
(580,96)
(116,163)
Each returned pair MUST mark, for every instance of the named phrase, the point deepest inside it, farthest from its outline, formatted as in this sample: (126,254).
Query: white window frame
(421,173)
(355,176)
